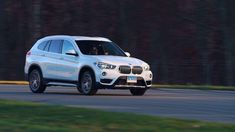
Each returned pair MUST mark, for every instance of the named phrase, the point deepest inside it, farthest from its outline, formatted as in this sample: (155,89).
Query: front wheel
(87,83)
(36,81)
(137,91)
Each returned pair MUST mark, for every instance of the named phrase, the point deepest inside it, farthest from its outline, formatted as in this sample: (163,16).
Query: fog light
(104,73)
(150,75)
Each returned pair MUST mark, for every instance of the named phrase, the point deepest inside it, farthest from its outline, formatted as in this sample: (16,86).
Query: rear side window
(47,46)
(42,45)
(55,46)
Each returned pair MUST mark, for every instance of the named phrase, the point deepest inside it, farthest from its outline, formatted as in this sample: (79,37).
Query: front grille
(148,82)
(137,70)
(128,70)
(106,80)
(125,69)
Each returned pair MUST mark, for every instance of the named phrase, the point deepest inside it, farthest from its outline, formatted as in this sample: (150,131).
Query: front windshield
(89,47)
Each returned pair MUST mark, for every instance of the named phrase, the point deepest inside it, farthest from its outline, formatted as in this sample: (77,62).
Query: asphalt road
(207,105)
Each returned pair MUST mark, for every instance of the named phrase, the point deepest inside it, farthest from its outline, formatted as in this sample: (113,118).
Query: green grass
(202,87)
(25,116)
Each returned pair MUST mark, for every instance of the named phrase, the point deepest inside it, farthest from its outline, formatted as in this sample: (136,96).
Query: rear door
(54,60)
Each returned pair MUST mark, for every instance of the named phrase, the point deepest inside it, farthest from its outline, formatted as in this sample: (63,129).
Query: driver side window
(67,46)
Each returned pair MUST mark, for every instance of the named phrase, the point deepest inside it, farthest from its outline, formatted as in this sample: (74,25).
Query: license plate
(131,79)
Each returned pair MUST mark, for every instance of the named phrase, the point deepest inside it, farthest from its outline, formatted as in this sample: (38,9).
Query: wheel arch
(34,66)
(83,69)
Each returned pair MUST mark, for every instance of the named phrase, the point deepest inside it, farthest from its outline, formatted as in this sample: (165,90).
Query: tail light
(28,53)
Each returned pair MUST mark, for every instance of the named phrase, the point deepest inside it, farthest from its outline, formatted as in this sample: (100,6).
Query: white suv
(89,63)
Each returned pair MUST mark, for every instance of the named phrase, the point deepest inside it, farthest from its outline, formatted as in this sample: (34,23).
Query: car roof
(76,38)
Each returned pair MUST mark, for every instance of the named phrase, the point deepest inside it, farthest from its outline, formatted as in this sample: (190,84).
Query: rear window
(55,46)
(42,45)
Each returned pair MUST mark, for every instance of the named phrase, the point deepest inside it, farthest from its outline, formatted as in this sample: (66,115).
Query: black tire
(138,91)
(87,83)
(36,81)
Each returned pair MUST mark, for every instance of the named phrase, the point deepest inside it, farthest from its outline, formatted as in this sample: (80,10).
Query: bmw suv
(88,63)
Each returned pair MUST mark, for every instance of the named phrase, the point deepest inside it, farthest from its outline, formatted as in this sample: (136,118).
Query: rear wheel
(138,91)
(36,81)
(87,83)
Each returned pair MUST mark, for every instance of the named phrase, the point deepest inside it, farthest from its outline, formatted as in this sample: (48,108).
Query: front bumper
(115,78)
(119,81)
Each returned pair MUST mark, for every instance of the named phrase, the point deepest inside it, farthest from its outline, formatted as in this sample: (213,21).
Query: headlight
(146,68)
(103,65)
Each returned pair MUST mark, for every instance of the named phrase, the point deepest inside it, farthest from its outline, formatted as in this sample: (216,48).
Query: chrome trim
(129,86)
(61,84)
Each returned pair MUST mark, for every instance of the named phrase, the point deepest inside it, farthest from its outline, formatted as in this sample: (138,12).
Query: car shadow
(79,94)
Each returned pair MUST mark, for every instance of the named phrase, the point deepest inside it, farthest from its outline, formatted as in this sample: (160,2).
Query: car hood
(119,60)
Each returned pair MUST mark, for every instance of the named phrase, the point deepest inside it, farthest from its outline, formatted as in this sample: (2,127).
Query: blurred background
(184,41)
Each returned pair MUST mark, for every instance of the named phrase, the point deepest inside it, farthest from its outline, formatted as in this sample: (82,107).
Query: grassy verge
(24,116)
(202,87)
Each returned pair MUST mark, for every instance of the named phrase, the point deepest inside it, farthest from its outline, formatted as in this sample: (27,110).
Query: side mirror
(127,54)
(72,52)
